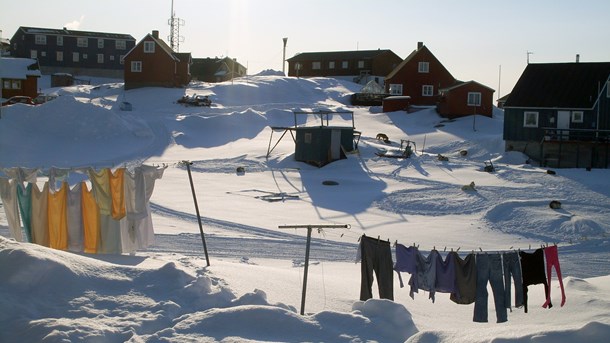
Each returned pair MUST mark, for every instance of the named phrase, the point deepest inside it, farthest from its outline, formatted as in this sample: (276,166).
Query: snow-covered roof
(18,68)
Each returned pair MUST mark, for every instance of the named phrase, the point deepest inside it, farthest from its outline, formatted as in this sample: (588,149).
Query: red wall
(454,103)
(158,69)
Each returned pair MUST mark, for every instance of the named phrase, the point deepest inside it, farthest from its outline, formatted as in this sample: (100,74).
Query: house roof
(559,85)
(18,68)
(64,31)
(162,45)
(459,84)
(337,55)
(409,58)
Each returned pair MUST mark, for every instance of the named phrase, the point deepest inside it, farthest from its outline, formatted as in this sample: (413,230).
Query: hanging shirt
(57,218)
(100,183)
(466,280)
(24,196)
(75,219)
(8,193)
(405,262)
(91,220)
(40,231)
(426,273)
(445,274)
(117,193)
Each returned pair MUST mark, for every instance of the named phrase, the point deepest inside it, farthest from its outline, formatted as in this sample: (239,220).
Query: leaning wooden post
(205,248)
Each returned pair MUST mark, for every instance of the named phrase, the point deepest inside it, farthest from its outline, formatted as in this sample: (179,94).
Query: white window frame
(331,65)
(40,39)
(395,89)
(60,40)
(423,67)
(100,58)
(100,43)
(149,47)
(6,84)
(34,54)
(136,66)
(345,64)
(530,119)
(59,56)
(474,98)
(16,84)
(316,65)
(111,57)
(427,90)
(43,53)
(82,42)
(75,57)
(360,64)
(120,44)
(578,117)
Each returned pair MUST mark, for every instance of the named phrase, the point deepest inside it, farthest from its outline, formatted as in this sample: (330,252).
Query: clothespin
(480,249)
(446,249)
(395,243)
(458,249)
(378,239)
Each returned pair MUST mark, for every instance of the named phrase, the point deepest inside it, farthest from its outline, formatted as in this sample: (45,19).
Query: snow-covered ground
(252,290)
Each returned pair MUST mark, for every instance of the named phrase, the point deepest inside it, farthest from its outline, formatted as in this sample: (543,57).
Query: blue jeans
(489,268)
(511,266)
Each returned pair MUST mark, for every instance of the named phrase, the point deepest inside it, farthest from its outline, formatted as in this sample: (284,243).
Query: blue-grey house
(559,114)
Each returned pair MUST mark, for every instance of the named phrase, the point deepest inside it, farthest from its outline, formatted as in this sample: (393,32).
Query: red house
(152,63)
(421,75)
(464,99)
(19,77)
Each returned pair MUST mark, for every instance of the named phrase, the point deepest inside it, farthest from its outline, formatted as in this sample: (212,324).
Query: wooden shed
(465,99)
(396,103)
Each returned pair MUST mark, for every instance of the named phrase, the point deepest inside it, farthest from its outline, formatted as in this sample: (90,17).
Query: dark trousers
(376,257)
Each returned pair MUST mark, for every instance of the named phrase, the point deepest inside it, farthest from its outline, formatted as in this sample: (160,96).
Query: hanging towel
(24,196)
(75,219)
(22,175)
(57,175)
(40,226)
(91,220)
(57,217)
(100,183)
(8,193)
(117,192)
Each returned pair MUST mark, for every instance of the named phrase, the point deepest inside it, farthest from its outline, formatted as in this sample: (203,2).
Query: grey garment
(466,279)
(376,256)
(489,269)
(425,277)
(512,267)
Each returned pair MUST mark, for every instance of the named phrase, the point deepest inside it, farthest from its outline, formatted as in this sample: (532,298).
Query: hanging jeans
(532,269)
(552,260)
(489,268)
(376,256)
(512,267)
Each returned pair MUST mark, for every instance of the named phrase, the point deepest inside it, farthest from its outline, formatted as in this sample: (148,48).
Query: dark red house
(152,63)
(421,75)
(19,77)
(464,99)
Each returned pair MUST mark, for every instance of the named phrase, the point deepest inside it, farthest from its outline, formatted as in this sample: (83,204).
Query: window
(75,57)
(41,39)
(315,65)
(474,99)
(43,53)
(427,90)
(6,84)
(16,84)
(59,56)
(149,47)
(331,65)
(120,45)
(395,89)
(100,58)
(136,66)
(307,138)
(111,57)
(530,119)
(360,64)
(577,117)
(345,64)
(82,42)
(60,40)
(423,67)
(100,43)
(85,56)
(34,54)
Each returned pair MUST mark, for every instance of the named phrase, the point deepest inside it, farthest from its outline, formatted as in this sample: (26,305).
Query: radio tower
(174,30)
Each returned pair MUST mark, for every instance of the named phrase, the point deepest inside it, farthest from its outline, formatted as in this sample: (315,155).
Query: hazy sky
(474,39)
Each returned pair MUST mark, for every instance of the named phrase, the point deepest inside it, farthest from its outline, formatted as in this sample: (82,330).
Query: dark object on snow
(551,172)
(464,152)
(442,158)
(588,168)
(383,137)
(555,204)
(195,100)
(489,167)
(240,170)
(330,183)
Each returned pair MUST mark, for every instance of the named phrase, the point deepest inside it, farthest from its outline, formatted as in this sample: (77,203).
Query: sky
(486,41)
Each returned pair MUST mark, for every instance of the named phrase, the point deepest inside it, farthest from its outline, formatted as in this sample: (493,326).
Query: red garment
(552,259)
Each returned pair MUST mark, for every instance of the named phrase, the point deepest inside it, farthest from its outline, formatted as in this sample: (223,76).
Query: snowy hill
(251,291)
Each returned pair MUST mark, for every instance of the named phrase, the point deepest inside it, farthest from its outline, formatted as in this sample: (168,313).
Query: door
(563,124)
(335,145)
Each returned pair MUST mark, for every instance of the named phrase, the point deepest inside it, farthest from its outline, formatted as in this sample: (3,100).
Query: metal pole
(205,248)
(306,270)
(285,39)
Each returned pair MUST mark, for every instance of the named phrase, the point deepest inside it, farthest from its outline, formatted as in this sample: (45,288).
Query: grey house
(559,114)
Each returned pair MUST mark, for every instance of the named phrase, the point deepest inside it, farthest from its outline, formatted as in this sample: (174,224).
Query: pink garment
(552,259)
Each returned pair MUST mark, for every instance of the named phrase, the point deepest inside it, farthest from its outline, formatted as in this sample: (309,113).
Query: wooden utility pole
(205,248)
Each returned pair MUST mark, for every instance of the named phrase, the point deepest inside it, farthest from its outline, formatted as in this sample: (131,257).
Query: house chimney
(577,58)
(155,34)
(420,45)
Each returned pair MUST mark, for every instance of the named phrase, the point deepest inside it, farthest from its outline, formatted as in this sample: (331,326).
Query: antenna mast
(174,30)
